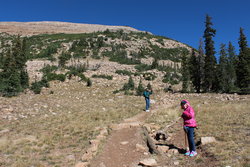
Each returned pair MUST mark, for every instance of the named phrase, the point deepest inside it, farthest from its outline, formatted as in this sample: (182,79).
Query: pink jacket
(188,116)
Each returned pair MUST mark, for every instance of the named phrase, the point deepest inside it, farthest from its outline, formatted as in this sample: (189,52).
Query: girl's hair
(183,102)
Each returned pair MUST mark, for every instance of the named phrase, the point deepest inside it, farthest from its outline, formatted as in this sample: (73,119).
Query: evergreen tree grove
(14,77)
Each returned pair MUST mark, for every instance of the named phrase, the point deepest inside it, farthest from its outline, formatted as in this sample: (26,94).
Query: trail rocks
(94,144)
(140,147)
(207,140)
(173,151)
(4,131)
(163,149)
(82,164)
(124,142)
(148,162)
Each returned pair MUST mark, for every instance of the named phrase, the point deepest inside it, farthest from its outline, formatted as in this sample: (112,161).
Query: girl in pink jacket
(188,116)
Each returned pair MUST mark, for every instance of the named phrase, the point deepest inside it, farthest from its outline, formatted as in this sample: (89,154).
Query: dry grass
(55,129)
(226,120)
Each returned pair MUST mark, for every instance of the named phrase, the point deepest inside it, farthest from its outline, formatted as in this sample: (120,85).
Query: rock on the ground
(82,164)
(173,151)
(102,165)
(140,147)
(163,149)
(124,142)
(148,162)
(176,163)
(4,131)
(206,140)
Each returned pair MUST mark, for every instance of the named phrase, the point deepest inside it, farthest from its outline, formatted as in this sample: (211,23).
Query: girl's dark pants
(190,135)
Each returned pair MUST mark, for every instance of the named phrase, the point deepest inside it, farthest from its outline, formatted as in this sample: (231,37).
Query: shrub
(120,56)
(109,77)
(47,53)
(116,91)
(77,71)
(148,76)
(142,67)
(53,76)
(149,86)
(63,58)
(37,86)
(48,69)
(130,85)
(171,78)
(80,68)
(89,82)
(123,72)
(140,89)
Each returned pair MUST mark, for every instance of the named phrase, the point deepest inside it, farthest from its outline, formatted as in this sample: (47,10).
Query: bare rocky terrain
(50,27)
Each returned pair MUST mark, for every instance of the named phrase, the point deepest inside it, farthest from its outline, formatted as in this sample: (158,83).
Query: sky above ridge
(182,20)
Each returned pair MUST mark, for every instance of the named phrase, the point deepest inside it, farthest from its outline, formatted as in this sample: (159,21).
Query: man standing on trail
(189,125)
(146,94)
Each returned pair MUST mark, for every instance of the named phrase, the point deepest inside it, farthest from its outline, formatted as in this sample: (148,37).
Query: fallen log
(150,142)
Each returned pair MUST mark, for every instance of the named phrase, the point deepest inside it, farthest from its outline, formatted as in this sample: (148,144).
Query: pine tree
(1,60)
(210,60)
(231,68)
(149,86)
(185,73)
(130,85)
(201,63)
(222,70)
(140,89)
(193,69)
(243,66)
(155,64)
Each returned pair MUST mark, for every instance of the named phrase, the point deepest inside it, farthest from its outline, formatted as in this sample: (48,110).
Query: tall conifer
(185,73)
(243,65)
(210,60)
(222,70)
(231,68)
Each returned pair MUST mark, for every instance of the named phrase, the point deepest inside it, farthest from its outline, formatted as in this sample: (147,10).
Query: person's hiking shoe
(193,153)
(147,110)
(187,153)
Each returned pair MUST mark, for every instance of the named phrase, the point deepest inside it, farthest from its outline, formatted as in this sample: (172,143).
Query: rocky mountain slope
(146,56)
(50,27)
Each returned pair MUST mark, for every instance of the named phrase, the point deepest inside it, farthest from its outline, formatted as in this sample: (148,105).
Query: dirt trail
(126,146)
(120,148)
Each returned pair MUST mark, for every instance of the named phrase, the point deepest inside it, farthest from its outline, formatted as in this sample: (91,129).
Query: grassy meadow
(54,129)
